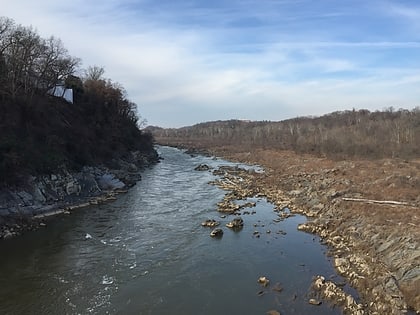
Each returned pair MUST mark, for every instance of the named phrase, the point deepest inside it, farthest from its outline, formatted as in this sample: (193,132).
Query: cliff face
(60,192)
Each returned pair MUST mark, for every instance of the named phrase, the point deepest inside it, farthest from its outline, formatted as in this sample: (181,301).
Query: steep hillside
(41,133)
(48,134)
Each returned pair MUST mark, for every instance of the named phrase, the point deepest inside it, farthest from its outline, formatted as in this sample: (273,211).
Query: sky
(189,61)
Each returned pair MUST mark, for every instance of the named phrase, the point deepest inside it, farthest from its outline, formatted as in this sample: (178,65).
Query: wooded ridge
(352,133)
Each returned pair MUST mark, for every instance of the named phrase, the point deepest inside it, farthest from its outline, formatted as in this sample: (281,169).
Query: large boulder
(110,182)
(202,167)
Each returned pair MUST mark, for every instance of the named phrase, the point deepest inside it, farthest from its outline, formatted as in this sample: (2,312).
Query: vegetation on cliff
(40,133)
(387,133)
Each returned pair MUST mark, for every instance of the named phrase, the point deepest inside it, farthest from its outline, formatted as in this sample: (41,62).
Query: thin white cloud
(405,16)
(184,63)
(407,12)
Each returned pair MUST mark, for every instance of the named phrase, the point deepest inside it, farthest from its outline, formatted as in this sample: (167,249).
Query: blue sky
(185,62)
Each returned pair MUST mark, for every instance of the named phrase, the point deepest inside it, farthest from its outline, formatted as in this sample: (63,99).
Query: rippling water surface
(146,253)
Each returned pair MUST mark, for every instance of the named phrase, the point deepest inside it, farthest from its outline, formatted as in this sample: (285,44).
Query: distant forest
(40,133)
(352,133)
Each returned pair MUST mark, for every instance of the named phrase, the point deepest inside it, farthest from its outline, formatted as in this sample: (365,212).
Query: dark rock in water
(202,167)
(216,233)
(210,223)
(235,223)
(249,205)
(277,287)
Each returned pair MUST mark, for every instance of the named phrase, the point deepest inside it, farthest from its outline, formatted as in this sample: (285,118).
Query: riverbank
(150,243)
(367,212)
(27,206)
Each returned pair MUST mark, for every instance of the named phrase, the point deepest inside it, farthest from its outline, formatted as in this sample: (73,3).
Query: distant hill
(352,133)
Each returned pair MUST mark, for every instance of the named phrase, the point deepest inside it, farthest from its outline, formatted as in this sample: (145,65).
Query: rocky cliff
(22,208)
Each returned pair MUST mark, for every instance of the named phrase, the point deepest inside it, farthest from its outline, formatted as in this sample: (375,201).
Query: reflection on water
(146,253)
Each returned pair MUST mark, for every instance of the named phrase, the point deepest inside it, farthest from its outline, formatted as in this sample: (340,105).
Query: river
(147,253)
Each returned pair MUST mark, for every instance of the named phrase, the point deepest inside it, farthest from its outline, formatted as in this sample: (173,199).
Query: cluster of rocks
(379,264)
(22,207)
(378,270)
(210,223)
(331,292)
(236,224)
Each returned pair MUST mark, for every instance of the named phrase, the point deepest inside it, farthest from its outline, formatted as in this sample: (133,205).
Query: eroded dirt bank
(367,212)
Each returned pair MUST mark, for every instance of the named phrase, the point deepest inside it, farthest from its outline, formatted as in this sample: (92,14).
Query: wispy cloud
(190,61)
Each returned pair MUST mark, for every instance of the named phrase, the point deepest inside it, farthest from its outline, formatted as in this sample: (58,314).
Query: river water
(147,253)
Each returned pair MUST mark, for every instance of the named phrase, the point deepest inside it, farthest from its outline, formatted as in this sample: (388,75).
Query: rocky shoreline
(366,212)
(27,207)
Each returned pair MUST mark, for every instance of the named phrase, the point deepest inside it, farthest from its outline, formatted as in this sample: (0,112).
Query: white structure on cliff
(60,91)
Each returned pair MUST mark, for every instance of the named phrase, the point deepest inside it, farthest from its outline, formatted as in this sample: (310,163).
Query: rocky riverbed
(27,206)
(367,212)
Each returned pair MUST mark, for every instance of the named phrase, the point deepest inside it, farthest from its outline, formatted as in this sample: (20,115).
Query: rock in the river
(202,167)
(314,302)
(336,295)
(227,206)
(210,223)
(235,223)
(277,287)
(263,281)
(110,182)
(216,233)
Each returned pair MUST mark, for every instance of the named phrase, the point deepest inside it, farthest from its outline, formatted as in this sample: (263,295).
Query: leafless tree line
(387,133)
(30,63)
(39,133)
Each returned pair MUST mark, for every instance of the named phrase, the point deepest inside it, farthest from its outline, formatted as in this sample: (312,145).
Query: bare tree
(29,63)
(339,134)
(20,52)
(54,64)
(94,73)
